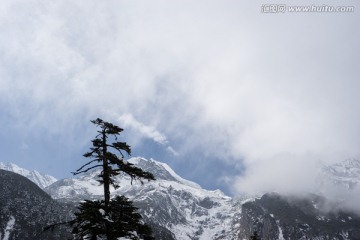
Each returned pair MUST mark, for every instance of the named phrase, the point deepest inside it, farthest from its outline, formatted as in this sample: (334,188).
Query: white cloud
(129,121)
(219,77)
(172,151)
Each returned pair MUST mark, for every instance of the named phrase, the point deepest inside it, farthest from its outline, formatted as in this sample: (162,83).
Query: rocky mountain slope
(25,210)
(311,216)
(287,217)
(180,209)
(42,180)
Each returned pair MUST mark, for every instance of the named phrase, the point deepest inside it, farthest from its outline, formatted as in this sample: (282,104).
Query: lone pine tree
(110,219)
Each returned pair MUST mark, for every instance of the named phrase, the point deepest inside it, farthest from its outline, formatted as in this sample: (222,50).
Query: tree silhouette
(123,220)
(110,218)
(255,236)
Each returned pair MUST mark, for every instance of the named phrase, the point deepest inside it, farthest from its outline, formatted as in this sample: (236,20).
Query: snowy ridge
(138,160)
(42,180)
(191,212)
(181,206)
(87,184)
(182,210)
(345,174)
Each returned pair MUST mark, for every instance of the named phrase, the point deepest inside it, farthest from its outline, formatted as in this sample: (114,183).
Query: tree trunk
(106,180)
(106,174)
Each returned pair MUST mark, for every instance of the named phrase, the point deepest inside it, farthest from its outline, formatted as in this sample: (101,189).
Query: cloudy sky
(228,96)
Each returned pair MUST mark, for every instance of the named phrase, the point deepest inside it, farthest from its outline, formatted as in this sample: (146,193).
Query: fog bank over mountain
(223,92)
(338,182)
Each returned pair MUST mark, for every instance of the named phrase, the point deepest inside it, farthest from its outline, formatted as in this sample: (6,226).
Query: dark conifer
(123,220)
(255,236)
(110,219)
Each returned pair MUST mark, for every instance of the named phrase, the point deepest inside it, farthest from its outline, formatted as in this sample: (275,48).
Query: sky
(229,96)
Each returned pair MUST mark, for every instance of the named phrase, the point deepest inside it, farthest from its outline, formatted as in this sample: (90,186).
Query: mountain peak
(160,170)
(349,163)
(42,180)
(349,168)
(180,209)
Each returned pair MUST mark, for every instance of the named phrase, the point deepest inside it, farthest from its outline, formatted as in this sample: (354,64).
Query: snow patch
(281,236)
(177,177)
(137,160)
(9,227)
(345,235)
(102,211)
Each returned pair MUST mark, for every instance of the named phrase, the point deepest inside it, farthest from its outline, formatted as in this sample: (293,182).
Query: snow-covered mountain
(281,217)
(345,174)
(179,209)
(171,202)
(87,186)
(42,180)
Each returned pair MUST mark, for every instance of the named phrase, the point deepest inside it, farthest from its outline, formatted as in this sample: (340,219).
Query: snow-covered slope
(161,171)
(87,186)
(190,212)
(345,174)
(180,209)
(172,202)
(42,180)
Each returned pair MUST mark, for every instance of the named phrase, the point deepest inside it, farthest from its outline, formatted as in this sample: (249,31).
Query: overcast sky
(228,96)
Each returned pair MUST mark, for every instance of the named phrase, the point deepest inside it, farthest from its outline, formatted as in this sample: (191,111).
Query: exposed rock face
(277,217)
(180,209)
(176,208)
(25,210)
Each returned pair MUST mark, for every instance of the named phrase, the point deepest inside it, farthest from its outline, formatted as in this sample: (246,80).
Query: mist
(270,94)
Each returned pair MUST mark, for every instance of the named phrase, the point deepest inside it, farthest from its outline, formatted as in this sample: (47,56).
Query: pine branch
(97,159)
(113,158)
(84,171)
(93,153)
(135,173)
(97,143)
(112,129)
(121,146)
(97,122)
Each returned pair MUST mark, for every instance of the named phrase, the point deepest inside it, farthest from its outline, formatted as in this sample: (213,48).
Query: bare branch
(78,172)
(97,159)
